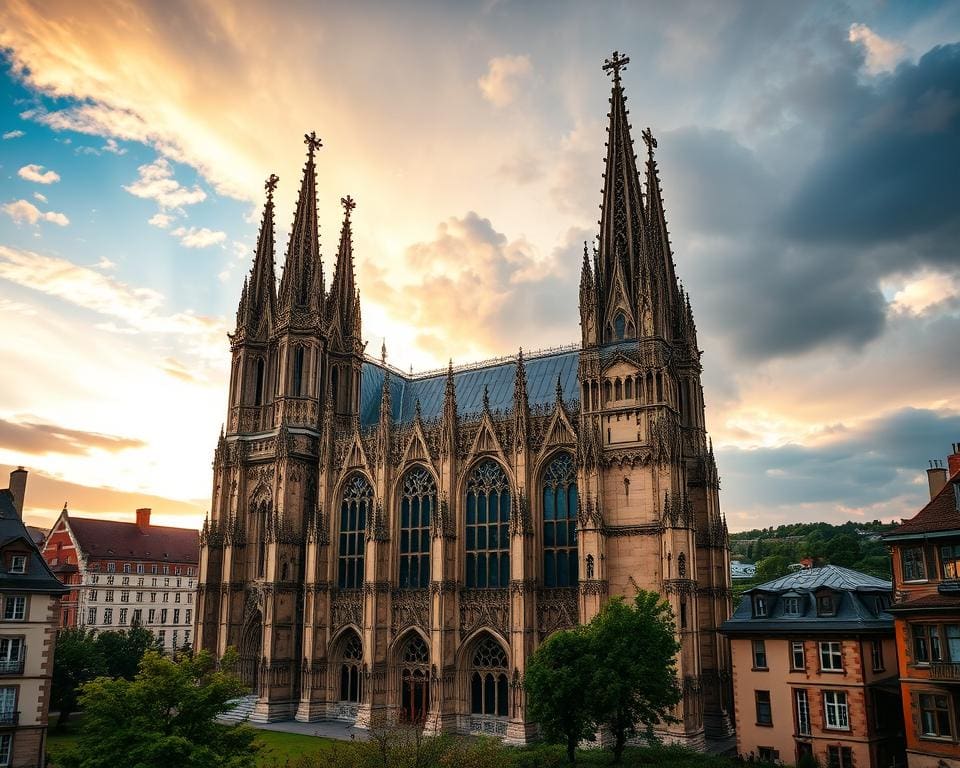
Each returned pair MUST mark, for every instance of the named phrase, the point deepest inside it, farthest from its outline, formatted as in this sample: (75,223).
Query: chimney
(953,460)
(936,476)
(18,487)
(143,519)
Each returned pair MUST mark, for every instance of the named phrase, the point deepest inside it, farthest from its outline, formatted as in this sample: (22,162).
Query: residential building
(30,603)
(815,670)
(121,574)
(926,572)
(383,544)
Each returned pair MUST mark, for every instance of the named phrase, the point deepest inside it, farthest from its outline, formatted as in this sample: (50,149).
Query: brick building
(30,602)
(926,568)
(815,670)
(120,574)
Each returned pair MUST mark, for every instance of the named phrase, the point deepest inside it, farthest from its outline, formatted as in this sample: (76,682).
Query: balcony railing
(11,666)
(944,671)
(9,718)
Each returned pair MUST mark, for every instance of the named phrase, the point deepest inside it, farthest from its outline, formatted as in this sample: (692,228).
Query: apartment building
(30,603)
(926,608)
(815,671)
(121,574)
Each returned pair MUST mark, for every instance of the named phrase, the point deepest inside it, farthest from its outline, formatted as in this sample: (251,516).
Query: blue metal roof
(498,378)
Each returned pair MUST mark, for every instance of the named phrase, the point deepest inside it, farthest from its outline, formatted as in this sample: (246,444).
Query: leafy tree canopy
(165,716)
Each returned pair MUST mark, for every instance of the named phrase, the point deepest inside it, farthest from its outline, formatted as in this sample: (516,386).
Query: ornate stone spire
(301,286)
(661,251)
(259,298)
(344,301)
(521,404)
(450,414)
(622,217)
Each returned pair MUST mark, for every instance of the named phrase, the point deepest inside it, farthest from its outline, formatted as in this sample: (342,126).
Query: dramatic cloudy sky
(810,158)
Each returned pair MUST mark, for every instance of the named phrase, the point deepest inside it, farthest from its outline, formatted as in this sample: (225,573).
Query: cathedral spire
(622,217)
(657,221)
(521,404)
(259,299)
(303,270)
(344,307)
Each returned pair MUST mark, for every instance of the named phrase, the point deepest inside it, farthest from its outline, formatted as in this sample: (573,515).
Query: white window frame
(20,560)
(836,710)
(831,654)
(15,601)
(803,711)
(6,748)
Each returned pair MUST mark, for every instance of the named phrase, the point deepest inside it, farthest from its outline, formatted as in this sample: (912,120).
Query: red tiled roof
(112,540)
(940,513)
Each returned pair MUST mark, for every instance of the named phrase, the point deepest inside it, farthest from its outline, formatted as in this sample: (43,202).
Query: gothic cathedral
(385,545)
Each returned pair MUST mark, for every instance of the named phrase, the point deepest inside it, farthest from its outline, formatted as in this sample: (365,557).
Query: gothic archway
(349,679)
(489,691)
(414,680)
(250,651)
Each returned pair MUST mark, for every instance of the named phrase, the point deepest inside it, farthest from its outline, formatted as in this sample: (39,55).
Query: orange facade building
(926,568)
(815,671)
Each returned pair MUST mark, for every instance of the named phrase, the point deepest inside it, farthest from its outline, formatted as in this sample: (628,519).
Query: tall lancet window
(488,527)
(351,657)
(560,523)
(261,376)
(488,680)
(417,506)
(354,510)
(619,326)
(298,369)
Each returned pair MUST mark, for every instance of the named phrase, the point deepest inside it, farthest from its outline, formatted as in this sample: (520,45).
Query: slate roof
(938,516)
(112,540)
(855,595)
(498,376)
(38,576)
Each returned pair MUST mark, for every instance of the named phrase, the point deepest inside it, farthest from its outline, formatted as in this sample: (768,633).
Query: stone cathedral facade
(387,545)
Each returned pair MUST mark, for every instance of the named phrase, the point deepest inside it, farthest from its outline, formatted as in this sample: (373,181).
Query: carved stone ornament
(484,608)
(346,607)
(556,609)
(410,608)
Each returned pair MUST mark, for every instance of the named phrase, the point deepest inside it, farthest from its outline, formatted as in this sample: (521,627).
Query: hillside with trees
(777,551)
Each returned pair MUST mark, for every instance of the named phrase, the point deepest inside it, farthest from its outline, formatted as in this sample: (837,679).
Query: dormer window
(825,606)
(791,606)
(18,564)
(912,565)
(759,607)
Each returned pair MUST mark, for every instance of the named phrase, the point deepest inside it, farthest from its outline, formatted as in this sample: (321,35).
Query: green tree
(772,567)
(843,550)
(635,682)
(557,681)
(165,716)
(123,650)
(77,659)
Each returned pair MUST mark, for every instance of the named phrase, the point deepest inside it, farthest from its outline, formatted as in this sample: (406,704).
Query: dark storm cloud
(889,169)
(783,263)
(859,468)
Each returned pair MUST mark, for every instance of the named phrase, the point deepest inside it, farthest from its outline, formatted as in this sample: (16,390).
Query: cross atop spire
(614,64)
(348,204)
(271,185)
(313,143)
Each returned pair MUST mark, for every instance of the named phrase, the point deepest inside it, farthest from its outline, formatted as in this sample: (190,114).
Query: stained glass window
(487,528)
(560,523)
(357,500)
(417,506)
(488,682)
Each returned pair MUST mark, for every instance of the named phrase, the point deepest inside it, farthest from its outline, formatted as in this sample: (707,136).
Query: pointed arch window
(418,503)
(487,529)
(628,388)
(354,510)
(619,326)
(298,379)
(560,523)
(617,390)
(351,684)
(488,679)
(261,376)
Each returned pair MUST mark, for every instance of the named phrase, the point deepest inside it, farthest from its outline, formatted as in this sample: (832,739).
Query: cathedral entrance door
(414,696)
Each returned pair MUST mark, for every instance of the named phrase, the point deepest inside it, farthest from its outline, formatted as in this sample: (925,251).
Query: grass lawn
(277,747)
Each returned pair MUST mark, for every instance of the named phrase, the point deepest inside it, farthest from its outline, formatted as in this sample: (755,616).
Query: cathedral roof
(496,376)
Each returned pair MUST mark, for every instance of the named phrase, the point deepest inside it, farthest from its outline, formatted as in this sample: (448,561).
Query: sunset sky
(809,154)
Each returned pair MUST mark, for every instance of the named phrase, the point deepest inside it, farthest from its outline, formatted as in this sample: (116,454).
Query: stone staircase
(241,710)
